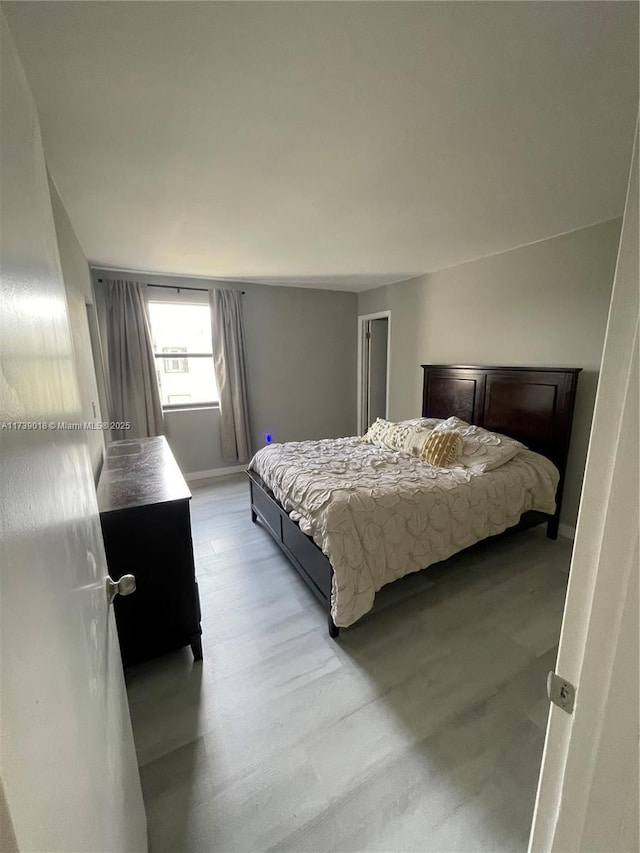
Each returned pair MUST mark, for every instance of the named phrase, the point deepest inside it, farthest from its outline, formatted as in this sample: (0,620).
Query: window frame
(173,407)
(177,407)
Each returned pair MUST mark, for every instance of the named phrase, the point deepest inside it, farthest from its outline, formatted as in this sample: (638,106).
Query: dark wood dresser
(143,501)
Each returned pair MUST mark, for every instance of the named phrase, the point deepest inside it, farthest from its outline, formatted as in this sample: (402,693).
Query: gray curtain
(231,373)
(132,371)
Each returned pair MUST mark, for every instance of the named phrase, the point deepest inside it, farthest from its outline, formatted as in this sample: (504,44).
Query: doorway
(98,364)
(374,334)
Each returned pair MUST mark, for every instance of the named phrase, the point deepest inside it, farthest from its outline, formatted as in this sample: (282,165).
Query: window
(181,335)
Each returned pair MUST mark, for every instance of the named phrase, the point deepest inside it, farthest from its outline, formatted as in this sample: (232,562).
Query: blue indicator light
(268,437)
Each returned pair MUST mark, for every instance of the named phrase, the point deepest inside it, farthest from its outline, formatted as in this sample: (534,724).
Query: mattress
(379,514)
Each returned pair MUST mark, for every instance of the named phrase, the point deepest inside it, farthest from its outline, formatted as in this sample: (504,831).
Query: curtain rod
(175,287)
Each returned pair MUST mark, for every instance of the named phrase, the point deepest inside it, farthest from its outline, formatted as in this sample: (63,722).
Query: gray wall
(542,305)
(77,284)
(301,356)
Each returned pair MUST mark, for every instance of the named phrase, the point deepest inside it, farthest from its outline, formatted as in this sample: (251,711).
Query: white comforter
(379,514)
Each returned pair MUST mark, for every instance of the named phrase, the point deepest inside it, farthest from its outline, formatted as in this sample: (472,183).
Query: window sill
(198,407)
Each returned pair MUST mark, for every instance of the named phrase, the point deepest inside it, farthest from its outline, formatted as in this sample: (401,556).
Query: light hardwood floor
(420,728)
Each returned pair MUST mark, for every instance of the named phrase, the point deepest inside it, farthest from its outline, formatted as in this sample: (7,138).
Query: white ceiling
(330,144)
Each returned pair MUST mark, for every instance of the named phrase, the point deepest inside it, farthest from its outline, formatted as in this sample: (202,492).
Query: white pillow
(423,423)
(482,450)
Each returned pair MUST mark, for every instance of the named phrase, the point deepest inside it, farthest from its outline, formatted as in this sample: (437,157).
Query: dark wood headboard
(531,404)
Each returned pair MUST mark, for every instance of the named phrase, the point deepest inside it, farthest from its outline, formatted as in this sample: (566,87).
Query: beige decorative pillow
(398,435)
(394,436)
(378,431)
(442,448)
(414,440)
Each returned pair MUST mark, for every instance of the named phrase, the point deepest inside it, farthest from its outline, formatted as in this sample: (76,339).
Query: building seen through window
(175,365)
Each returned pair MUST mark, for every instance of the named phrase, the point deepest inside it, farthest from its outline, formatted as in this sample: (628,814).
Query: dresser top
(139,472)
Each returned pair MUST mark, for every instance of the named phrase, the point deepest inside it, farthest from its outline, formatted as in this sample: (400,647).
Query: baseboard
(567,531)
(214,472)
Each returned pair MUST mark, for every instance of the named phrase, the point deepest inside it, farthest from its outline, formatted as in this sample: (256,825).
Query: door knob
(125,586)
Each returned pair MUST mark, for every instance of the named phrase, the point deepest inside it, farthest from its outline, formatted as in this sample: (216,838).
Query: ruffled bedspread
(379,514)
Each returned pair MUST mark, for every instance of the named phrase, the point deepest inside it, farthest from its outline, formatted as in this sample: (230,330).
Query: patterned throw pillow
(414,440)
(442,448)
(390,435)
(399,435)
(377,432)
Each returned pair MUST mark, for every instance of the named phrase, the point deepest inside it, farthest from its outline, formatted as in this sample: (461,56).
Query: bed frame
(531,404)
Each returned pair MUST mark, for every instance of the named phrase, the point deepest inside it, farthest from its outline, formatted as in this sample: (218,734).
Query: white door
(67,757)
(588,790)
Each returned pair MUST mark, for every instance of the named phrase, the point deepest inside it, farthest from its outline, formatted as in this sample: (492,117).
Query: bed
(327,520)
